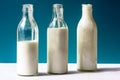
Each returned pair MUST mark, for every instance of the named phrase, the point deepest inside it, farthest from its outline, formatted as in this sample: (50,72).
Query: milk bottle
(27,43)
(57,42)
(87,41)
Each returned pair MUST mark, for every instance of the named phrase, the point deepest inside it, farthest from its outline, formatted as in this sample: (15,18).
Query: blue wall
(106,14)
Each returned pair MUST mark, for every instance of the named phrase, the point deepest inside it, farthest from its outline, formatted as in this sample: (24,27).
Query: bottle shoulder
(55,23)
(86,24)
(27,24)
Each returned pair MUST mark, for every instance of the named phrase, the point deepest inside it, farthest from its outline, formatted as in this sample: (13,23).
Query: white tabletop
(105,72)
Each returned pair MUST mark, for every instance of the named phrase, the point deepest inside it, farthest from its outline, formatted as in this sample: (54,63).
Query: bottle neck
(57,12)
(28,11)
(87,11)
(27,14)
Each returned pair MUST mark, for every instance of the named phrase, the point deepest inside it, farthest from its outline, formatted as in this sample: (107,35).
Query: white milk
(87,40)
(27,57)
(57,50)
(86,49)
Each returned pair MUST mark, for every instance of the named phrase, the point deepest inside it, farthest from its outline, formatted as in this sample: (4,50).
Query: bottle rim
(86,5)
(28,6)
(57,5)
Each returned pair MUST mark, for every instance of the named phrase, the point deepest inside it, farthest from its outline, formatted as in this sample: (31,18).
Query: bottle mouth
(57,5)
(58,8)
(87,5)
(27,7)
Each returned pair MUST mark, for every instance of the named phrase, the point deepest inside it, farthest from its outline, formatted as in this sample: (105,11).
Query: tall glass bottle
(57,42)
(87,40)
(27,43)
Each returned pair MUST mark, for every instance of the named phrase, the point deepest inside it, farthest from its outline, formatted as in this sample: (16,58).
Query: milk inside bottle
(27,57)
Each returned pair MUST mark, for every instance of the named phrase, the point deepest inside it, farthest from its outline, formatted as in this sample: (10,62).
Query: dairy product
(27,57)
(57,50)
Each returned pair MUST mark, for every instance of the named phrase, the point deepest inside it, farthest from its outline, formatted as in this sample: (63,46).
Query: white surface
(105,72)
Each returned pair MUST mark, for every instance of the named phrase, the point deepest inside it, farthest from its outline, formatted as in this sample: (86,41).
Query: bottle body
(27,57)
(57,50)
(27,43)
(87,41)
(57,45)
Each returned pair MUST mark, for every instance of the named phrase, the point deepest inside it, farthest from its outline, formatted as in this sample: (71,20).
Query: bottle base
(83,70)
(57,73)
(26,75)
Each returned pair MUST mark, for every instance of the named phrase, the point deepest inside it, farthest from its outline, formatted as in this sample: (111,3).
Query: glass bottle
(87,41)
(27,43)
(57,42)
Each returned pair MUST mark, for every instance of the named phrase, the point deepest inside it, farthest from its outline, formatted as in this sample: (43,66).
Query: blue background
(106,14)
